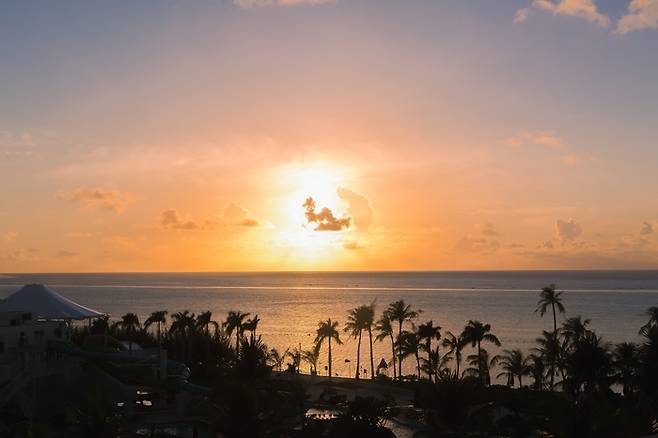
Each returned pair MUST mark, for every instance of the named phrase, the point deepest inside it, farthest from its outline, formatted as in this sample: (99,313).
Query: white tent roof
(43,302)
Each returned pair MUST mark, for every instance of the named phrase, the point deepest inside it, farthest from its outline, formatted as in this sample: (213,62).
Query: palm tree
(312,357)
(537,370)
(513,364)
(550,350)
(455,345)
(410,344)
(204,320)
(368,322)
(427,332)
(182,324)
(234,321)
(251,325)
(358,319)
(475,333)
(549,297)
(575,328)
(400,312)
(327,330)
(626,362)
(296,356)
(385,330)
(652,312)
(277,359)
(130,322)
(160,318)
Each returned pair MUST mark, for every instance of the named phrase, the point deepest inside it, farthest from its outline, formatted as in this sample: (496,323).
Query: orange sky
(453,136)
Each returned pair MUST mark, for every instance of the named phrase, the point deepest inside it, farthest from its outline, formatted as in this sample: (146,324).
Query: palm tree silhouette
(359,319)
(549,297)
(475,333)
(626,361)
(158,317)
(455,345)
(400,312)
(513,364)
(234,321)
(575,328)
(385,330)
(277,358)
(427,332)
(550,350)
(652,312)
(204,320)
(312,357)
(327,330)
(130,322)
(410,344)
(368,322)
(251,325)
(183,323)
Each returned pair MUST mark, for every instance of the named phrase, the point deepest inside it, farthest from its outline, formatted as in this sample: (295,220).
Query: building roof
(44,303)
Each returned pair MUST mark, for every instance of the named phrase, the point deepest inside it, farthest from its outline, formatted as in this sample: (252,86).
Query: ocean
(291,304)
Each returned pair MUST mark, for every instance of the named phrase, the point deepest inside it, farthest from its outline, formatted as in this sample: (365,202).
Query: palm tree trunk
(458,359)
(480,364)
(372,360)
(520,381)
(429,359)
(399,351)
(358,357)
(330,358)
(395,373)
(418,364)
(554,358)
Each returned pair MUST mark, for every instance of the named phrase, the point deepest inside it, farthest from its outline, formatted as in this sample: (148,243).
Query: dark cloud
(359,207)
(568,231)
(237,215)
(325,220)
(647,228)
(172,220)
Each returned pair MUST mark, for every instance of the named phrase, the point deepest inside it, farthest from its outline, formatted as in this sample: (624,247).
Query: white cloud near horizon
(584,9)
(642,14)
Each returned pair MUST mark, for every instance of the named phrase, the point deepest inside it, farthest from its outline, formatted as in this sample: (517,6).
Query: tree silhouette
(513,364)
(400,312)
(130,323)
(233,323)
(427,332)
(475,333)
(385,331)
(455,345)
(549,297)
(327,330)
(158,317)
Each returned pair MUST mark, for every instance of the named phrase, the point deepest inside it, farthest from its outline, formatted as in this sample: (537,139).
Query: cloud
(99,198)
(570,159)
(489,230)
(352,244)
(170,219)
(248,4)
(642,14)
(647,228)
(9,236)
(568,231)
(326,221)
(358,209)
(471,243)
(547,244)
(67,254)
(585,9)
(535,138)
(236,215)
(21,255)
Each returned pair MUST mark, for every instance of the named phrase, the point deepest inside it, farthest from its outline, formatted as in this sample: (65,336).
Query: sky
(260,135)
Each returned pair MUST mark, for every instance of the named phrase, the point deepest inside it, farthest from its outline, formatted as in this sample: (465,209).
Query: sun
(319,180)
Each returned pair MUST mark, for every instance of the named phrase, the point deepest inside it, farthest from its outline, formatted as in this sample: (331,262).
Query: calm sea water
(291,304)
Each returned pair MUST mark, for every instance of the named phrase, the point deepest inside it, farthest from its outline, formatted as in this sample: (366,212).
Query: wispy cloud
(537,138)
(642,14)
(98,198)
(358,209)
(247,4)
(584,9)
(232,215)
(568,231)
